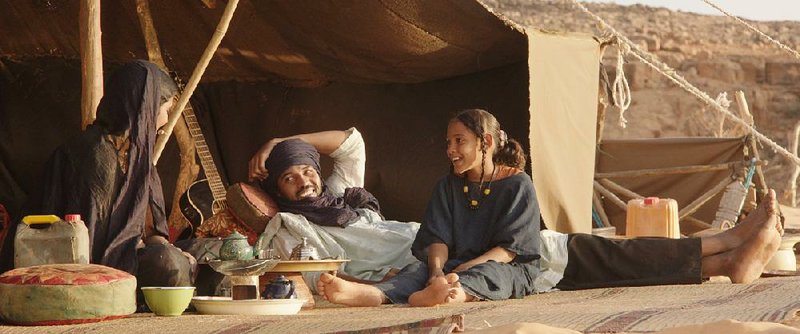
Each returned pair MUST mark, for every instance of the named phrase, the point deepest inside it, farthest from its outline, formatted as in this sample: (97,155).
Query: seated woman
(480,239)
(106,175)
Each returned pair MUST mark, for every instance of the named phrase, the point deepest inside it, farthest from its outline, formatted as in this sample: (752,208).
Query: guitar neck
(206,159)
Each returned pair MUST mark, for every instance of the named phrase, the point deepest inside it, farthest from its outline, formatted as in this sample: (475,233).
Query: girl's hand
(435,273)
(257,170)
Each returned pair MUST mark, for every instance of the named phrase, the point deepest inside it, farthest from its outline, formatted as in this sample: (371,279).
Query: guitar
(205,197)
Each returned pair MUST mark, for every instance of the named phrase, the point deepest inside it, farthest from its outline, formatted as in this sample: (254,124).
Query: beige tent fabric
(564,71)
(622,155)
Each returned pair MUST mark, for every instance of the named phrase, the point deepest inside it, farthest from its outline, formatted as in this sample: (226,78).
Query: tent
(397,70)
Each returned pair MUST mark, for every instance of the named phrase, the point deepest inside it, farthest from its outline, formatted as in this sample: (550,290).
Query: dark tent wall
(403,124)
(396,70)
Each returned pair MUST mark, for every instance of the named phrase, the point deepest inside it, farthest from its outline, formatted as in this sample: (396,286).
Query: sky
(762,10)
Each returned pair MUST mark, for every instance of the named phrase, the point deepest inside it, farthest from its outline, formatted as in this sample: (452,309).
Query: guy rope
(751,27)
(670,73)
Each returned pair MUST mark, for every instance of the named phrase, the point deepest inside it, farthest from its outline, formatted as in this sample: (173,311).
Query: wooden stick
(673,170)
(598,205)
(694,206)
(619,189)
(751,141)
(608,194)
(188,169)
(91,60)
(697,223)
(213,44)
(790,194)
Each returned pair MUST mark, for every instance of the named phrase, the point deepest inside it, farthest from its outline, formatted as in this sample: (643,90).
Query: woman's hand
(258,169)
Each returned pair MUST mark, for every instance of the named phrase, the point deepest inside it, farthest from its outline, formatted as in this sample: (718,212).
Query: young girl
(480,239)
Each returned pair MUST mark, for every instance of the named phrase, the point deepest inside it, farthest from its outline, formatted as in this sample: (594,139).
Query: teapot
(236,247)
(279,288)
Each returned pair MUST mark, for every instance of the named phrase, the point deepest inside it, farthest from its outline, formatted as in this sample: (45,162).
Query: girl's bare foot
(435,293)
(339,291)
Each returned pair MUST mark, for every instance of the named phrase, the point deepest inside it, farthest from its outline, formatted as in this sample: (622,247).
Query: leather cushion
(57,294)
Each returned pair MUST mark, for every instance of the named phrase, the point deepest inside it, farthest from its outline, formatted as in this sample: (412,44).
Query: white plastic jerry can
(652,217)
(46,239)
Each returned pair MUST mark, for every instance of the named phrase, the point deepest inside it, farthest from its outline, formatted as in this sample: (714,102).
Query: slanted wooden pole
(188,169)
(694,206)
(608,194)
(219,33)
(611,185)
(674,170)
(790,194)
(744,110)
(91,60)
(598,205)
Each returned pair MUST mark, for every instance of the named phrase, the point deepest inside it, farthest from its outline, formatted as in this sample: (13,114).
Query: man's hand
(258,169)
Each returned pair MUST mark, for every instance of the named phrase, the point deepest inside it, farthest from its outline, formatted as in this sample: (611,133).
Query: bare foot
(746,262)
(442,290)
(339,291)
(435,293)
(748,227)
(457,295)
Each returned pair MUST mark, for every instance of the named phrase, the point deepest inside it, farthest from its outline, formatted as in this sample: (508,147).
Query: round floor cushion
(58,294)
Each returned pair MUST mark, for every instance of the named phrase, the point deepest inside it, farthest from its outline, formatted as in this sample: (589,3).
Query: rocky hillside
(714,53)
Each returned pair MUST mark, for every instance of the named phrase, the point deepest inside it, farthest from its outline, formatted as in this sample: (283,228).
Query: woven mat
(600,310)
(355,320)
(649,309)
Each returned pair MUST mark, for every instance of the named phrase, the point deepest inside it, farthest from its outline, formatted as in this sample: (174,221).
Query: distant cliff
(714,53)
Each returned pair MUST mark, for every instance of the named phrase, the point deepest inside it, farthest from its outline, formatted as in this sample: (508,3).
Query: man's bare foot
(339,291)
(748,227)
(746,262)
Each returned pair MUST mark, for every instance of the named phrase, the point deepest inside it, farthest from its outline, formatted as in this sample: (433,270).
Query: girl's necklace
(474,204)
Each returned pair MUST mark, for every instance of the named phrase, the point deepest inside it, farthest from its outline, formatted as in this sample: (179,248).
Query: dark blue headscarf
(326,209)
(83,175)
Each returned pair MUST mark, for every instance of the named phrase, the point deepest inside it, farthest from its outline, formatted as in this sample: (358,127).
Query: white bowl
(225,305)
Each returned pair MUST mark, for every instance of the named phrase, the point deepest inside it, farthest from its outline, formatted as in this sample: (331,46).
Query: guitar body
(196,203)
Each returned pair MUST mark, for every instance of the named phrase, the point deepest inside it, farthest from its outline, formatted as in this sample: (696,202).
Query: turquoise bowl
(168,301)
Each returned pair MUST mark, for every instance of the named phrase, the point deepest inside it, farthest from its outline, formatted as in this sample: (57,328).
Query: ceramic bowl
(225,305)
(168,301)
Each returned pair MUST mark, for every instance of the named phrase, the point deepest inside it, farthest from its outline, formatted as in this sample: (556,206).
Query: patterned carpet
(600,310)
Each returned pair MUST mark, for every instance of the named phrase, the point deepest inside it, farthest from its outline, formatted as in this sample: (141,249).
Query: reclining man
(338,217)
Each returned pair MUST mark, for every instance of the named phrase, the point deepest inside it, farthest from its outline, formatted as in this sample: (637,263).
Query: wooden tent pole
(608,194)
(189,169)
(790,194)
(219,33)
(674,170)
(697,223)
(598,205)
(611,185)
(744,110)
(91,60)
(694,206)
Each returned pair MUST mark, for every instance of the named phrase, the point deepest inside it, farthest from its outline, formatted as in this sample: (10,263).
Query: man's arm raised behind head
(326,142)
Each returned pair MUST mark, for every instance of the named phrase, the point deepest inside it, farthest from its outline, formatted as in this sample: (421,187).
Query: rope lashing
(621,92)
(754,29)
(670,73)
